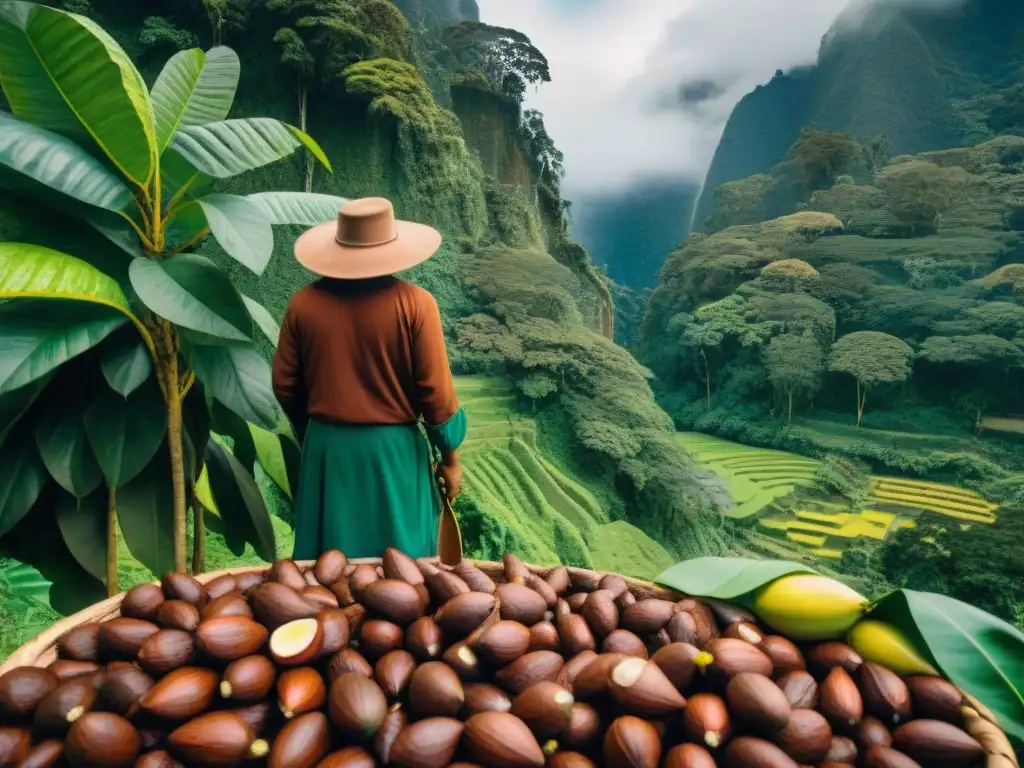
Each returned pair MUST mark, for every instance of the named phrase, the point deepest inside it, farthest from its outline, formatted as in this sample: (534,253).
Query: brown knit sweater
(363,352)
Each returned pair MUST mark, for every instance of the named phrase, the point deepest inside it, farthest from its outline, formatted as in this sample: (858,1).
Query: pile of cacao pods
(416,665)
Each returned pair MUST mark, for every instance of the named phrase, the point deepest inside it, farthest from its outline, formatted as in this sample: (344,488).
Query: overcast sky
(642,88)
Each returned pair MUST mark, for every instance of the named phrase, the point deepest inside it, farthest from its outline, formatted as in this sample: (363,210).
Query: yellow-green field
(511,478)
(758,478)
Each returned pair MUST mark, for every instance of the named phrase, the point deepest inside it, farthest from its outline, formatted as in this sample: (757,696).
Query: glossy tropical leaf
(60,164)
(70,587)
(204,494)
(231,147)
(125,363)
(32,271)
(194,88)
(188,225)
(22,476)
(193,292)
(14,404)
(37,337)
(115,228)
(83,524)
(64,73)
(225,423)
(239,377)
(725,578)
(263,319)
(145,508)
(240,228)
(310,144)
(977,651)
(125,433)
(270,454)
(64,446)
(238,498)
(303,208)
(180,179)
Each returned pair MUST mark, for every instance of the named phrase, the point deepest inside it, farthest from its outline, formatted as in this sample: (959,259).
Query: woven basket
(42,650)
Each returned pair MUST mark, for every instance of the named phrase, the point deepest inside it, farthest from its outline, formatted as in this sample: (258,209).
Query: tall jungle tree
(871,358)
(795,365)
(323,37)
(226,16)
(117,357)
(711,328)
(504,59)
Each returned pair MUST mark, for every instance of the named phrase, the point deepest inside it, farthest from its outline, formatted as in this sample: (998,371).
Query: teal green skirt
(364,488)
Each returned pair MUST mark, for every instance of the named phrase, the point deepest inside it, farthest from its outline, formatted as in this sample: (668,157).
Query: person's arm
(445,421)
(289,382)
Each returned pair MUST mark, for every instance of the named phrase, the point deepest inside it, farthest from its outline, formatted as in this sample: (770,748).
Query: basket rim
(979,721)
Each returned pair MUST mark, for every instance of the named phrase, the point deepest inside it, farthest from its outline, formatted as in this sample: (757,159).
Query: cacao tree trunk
(167,373)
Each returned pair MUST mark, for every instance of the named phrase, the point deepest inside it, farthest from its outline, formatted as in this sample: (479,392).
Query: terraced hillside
(760,480)
(552,513)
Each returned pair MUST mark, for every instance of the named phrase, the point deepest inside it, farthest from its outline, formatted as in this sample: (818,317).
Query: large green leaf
(115,228)
(270,452)
(64,73)
(22,476)
(60,164)
(225,423)
(32,271)
(240,228)
(194,88)
(238,376)
(83,524)
(125,363)
(64,446)
(125,433)
(231,147)
(187,224)
(193,292)
(145,509)
(69,588)
(14,404)
(239,501)
(263,319)
(303,208)
(37,337)
(180,179)
(725,578)
(979,652)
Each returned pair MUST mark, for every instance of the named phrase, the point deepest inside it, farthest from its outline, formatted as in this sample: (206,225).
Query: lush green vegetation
(569,458)
(863,311)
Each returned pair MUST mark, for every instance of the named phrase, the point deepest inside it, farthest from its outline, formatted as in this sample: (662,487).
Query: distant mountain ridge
(925,80)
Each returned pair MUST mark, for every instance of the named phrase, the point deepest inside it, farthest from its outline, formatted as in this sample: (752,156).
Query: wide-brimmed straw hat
(366,241)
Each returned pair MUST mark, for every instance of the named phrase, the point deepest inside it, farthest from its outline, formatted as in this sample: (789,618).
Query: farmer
(360,363)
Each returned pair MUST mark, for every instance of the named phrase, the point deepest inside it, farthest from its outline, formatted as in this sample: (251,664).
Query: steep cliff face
(921,79)
(489,124)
